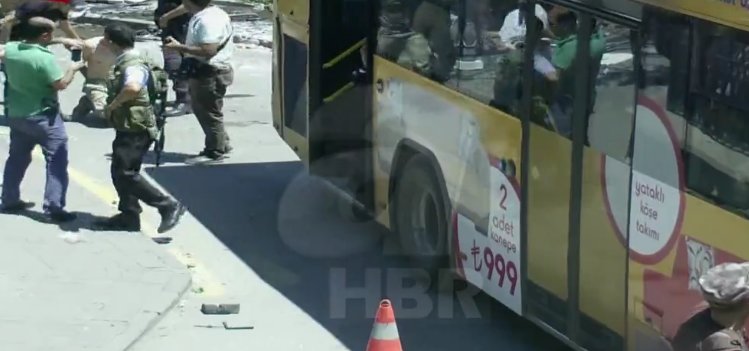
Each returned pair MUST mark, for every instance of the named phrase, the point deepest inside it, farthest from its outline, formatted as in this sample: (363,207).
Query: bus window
(554,70)
(491,57)
(489,66)
(707,113)
(612,89)
(416,35)
(718,160)
(432,20)
(661,128)
(397,42)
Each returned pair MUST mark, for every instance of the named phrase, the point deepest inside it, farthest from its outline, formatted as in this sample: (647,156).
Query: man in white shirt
(208,49)
(514,28)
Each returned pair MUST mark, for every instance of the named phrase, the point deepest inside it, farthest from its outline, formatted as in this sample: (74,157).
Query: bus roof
(732,13)
(727,12)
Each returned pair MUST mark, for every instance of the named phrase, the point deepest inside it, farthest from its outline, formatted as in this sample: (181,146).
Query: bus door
(292,31)
(339,148)
(577,174)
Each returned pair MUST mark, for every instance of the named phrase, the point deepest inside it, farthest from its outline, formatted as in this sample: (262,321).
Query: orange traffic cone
(384,335)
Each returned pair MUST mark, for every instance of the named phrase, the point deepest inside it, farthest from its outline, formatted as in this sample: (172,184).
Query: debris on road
(209,326)
(162,239)
(71,238)
(219,309)
(227,327)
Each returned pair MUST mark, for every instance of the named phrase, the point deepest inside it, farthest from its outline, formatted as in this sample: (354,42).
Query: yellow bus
(581,161)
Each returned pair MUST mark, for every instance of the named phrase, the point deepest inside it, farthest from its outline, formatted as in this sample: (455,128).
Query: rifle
(160,111)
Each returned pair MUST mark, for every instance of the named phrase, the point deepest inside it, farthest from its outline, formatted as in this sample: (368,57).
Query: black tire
(421,219)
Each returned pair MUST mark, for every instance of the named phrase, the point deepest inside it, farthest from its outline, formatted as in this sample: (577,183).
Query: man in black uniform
(131,113)
(172,18)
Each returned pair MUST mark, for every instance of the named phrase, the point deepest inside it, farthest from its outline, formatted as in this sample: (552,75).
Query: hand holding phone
(75,55)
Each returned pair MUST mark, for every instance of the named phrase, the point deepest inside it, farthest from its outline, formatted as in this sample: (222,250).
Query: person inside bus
(507,81)
(432,20)
(565,27)
(720,326)
(513,26)
(397,42)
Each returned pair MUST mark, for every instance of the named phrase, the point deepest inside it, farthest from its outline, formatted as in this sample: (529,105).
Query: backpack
(158,85)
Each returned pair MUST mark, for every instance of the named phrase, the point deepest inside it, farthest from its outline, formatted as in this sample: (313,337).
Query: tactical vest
(136,115)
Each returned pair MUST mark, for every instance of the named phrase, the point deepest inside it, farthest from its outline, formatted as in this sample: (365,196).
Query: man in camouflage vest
(432,20)
(396,41)
(130,110)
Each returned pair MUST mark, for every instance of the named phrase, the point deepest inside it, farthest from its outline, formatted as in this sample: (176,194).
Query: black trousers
(128,150)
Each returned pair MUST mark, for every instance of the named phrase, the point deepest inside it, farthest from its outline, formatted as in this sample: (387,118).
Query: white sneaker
(179,110)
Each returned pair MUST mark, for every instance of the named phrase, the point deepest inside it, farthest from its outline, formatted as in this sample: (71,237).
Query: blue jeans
(26,133)
(561,112)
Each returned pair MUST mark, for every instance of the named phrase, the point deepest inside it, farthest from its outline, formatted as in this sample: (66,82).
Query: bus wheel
(421,220)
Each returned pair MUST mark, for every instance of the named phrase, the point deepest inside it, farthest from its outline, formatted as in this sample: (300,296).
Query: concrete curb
(153,321)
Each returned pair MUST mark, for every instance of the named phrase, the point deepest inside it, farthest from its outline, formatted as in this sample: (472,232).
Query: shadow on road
(282,224)
(83,221)
(166,157)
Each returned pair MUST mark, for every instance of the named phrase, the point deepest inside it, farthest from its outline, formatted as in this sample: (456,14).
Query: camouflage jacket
(136,115)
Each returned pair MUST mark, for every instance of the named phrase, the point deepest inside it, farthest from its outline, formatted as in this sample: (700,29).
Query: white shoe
(179,110)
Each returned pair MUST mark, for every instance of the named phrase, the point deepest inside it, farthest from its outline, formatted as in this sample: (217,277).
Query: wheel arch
(405,150)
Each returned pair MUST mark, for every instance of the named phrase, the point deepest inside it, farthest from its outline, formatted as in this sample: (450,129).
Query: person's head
(565,23)
(195,5)
(539,27)
(725,288)
(119,37)
(38,30)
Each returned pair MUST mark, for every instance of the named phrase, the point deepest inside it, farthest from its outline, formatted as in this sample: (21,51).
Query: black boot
(170,216)
(122,222)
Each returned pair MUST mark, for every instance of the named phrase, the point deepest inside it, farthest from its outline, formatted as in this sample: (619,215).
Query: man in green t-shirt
(34,78)
(563,60)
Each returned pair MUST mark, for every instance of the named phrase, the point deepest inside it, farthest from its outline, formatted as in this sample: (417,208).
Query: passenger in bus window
(513,26)
(720,326)
(507,82)
(722,80)
(396,41)
(566,28)
(432,20)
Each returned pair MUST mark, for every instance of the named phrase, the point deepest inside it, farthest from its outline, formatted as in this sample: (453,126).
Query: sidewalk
(70,288)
